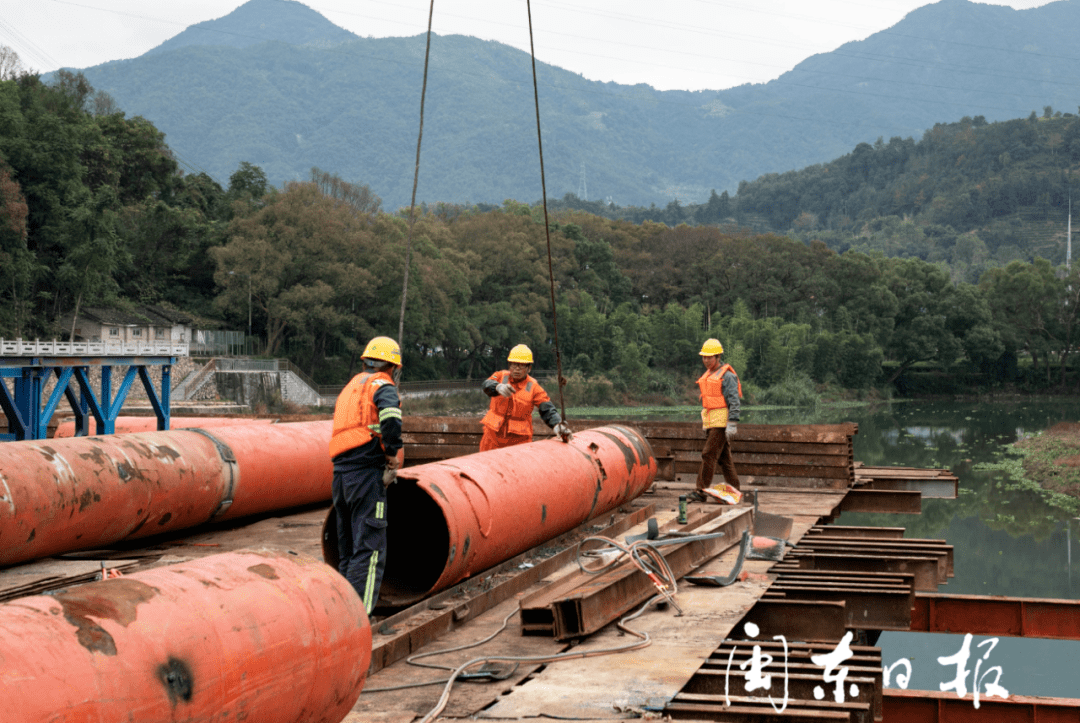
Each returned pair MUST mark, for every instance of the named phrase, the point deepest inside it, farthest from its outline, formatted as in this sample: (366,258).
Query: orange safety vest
(516,411)
(356,418)
(711,385)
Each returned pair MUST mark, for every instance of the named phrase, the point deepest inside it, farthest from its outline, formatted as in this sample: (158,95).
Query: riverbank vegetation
(878,274)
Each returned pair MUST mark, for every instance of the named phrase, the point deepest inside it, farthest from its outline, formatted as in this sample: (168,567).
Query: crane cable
(547,228)
(543,190)
(416,179)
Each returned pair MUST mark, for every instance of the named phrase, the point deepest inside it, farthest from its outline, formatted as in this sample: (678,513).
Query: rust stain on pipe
(481,509)
(278,637)
(84,492)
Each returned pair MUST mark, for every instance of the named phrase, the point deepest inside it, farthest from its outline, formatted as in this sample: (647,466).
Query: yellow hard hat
(711,347)
(521,354)
(383,348)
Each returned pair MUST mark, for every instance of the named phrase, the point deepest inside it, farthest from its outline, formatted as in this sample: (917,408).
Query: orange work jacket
(516,411)
(356,418)
(714,411)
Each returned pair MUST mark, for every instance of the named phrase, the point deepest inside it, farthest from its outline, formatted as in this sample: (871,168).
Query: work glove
(731,430)
(504,389)
(563,430)
(393,464)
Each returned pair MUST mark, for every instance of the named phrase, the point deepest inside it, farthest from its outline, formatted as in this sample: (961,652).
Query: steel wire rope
(416,179)
(645,556)
(547,225)
(643,641)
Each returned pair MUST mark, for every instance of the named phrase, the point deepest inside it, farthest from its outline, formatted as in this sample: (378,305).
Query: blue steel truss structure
(28,414)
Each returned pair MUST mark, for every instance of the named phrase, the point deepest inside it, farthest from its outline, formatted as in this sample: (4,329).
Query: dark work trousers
(360,505)
(717,448)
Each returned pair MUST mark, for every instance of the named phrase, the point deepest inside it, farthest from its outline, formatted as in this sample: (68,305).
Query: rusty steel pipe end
(259,634)
(452,519)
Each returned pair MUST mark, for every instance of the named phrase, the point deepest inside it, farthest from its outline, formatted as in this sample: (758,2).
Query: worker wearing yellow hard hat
(366,450)
(514,394)
(720,390)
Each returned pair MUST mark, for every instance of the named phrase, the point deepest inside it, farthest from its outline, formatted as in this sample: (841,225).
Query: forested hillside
(94,211)
(277,85)
(973,195)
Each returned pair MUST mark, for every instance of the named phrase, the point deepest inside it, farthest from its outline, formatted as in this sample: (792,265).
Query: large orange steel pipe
(448,520)
(60,495)
(129,425)
(264,636)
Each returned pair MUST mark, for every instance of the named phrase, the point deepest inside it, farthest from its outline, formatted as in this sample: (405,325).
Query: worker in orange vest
(367,451)
(720,392)
(514,394)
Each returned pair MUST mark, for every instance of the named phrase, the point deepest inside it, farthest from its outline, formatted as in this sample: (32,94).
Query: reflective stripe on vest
(711,385)
(356,418)
(515,412)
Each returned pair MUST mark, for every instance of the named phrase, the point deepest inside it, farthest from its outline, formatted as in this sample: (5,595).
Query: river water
(1006,541)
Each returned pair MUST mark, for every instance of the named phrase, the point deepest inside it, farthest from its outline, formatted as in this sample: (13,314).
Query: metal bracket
(229,458)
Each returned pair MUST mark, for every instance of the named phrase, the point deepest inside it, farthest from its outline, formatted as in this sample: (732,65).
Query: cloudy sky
(675,44)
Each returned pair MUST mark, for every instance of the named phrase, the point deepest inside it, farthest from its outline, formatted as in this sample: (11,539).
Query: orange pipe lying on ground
(130,425)
(265,636)
(449,520)
(60,495)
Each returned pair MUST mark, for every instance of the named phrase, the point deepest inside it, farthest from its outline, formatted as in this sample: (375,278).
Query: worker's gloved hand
(731,430)
(563,430)
(393,464)
(504,389)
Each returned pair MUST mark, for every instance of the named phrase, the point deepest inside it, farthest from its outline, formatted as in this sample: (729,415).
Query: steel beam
(896,502)
(913,547)
(925,706)
(28,417)
(698,706)
(925,569)
(880,603)
(609,596)
(809,620)
(597,600)
(942,488)
(790,662)
(994,615)
(846,531)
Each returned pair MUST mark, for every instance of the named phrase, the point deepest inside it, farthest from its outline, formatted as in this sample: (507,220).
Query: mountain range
(276,84)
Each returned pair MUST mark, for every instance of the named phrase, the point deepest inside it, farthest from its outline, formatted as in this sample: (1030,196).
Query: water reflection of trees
(957,436)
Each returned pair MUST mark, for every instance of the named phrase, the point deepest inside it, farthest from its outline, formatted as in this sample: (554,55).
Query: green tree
(303,257)
(926,305)
(1023,299)
(16,262)
(248,183)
